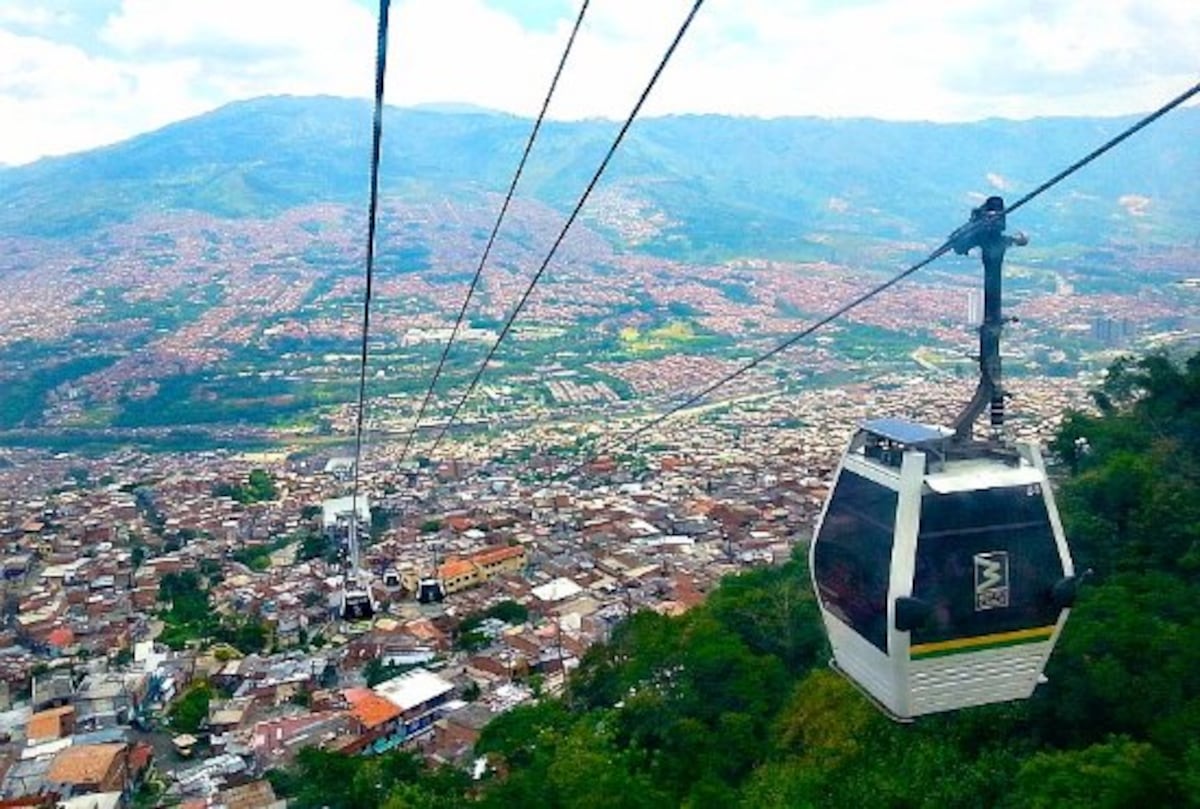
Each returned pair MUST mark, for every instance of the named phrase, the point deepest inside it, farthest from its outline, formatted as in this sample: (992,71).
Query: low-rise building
(470,571)
(87,768)
(420,695)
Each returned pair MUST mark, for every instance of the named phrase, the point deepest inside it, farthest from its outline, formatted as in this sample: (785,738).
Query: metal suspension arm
(985,230)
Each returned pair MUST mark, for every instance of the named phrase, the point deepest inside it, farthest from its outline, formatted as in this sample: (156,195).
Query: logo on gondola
(991,580)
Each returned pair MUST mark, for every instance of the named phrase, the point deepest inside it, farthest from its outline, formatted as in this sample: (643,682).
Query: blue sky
(75,74)
(537,15)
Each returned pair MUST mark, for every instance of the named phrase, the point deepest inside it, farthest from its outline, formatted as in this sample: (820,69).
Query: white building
(338,510)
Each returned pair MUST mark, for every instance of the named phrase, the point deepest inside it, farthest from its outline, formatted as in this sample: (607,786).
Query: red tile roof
(61,637)
(369,708)
(85,764)
(46,725)
(498,554)
(454,568)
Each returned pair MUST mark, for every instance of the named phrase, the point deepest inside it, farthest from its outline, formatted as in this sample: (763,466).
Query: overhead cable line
(1089,157)
(945,247)
(625,440)
(537,125)
(570,221)
(372,218)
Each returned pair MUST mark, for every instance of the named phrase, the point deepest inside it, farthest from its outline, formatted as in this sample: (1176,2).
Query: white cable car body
(357,603)
(972,550)
(939,561)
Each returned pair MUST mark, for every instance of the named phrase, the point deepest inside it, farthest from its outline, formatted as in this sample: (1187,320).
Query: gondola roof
(905,432)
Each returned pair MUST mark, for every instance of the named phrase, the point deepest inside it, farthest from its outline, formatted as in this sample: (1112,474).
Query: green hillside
(732,704)
(726,185)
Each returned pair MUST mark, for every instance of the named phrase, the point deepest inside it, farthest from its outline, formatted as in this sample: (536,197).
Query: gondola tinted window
(853,555)
(986,563)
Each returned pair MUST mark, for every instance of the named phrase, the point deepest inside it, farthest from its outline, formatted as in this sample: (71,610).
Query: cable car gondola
(939,561)
(431,590)
(357,603)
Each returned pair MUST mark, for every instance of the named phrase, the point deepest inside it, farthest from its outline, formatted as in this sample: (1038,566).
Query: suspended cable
(372,217)
(570,221)
(625,440)
(537,125)
(1088,158)
(946,247)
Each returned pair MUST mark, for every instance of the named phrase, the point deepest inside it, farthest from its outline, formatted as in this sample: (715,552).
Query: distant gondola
(430,590)
(939,561)
(357,603)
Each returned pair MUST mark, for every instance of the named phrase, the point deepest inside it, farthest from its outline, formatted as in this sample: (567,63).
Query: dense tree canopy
(190,617)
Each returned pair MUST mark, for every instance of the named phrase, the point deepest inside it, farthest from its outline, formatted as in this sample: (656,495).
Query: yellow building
(461,574)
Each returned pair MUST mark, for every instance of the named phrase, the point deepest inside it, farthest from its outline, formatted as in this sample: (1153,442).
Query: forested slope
(733,705)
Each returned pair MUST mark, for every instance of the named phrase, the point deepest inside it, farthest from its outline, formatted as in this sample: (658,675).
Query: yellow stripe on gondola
(980,642)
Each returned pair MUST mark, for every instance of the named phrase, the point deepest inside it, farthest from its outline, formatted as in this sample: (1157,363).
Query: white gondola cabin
(357,602)
(943,582)
(430,590)
(939,561)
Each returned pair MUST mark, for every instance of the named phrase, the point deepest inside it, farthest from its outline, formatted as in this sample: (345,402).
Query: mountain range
(715,185)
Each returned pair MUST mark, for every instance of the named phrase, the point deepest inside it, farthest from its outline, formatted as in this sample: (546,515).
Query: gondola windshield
(986,566)
(852,559)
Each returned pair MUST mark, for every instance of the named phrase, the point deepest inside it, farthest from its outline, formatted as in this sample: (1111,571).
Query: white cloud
(889,59)
(252,47)
(55,98)
(30,16)
(153,61)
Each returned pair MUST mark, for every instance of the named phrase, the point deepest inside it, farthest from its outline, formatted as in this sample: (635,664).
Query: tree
(1112,775)
(188,599)
(261,486)
(774,612)
(191,710)
(1130,503)
(315,545)
(376,671)
(394,779)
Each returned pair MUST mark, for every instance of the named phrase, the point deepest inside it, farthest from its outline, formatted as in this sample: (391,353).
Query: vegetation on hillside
(732,704)
(728,187)
(258,488)
(190,618)
(190,712)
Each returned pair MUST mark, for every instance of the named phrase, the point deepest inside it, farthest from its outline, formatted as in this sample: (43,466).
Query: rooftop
(370,708)
(48,724)
(557,590)
(84,763)
(413,688)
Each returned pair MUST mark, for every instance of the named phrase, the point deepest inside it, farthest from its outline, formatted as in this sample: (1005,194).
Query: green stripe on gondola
(999,640)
